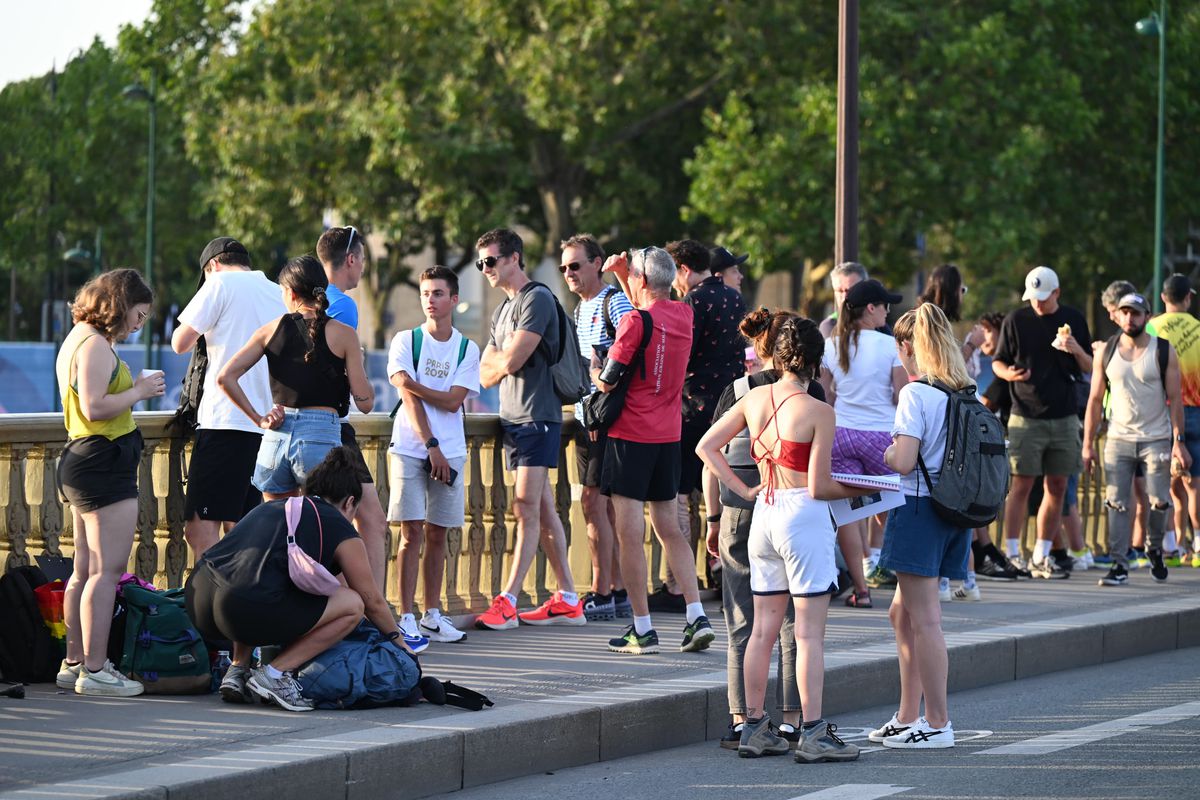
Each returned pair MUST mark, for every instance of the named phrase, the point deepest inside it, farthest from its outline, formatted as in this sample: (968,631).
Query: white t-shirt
(864,395)
(228,309)
(439,369)
(921,414)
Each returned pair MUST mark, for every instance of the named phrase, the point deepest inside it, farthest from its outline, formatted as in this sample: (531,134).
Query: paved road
(1065,735)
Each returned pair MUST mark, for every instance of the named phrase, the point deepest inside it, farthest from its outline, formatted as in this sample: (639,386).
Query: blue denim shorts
(1191,437)
(919,542)
(532,444)
(288,453)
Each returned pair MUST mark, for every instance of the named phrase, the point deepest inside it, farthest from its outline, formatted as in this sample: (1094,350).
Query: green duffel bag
(163,649)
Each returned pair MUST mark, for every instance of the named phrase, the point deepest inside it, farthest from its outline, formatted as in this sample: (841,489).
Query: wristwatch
(393,636)
(1179,437)
(432,443)
(713,518)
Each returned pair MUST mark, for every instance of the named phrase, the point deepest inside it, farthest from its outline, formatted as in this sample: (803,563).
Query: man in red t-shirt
(641,458)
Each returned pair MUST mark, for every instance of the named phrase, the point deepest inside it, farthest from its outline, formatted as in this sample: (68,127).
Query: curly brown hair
(104,301)
(762,327)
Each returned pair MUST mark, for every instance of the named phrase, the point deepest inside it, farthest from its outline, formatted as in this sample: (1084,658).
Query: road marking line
(1064,740)
(855,791)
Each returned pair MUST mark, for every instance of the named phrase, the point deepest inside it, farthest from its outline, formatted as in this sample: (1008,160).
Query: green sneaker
(881,577)
(629,642)
(697,636)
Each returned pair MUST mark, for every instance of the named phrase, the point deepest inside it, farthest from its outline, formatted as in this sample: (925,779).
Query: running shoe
(1081,562)
(1102,560)
(922,736)
(621,602)
(408,632)
(890,728)
(1158,569)
(599,607)
(282,691)
(697,636)
(1174,559)
(1137,559)
(732,737)
(991,570)
(68,674)
(500,617)
(106,682)
(437,628)
(555,611)
(880,577)
(1021,567)
(760,739)
(963,593)
(821,743)
(1048,569)
(634,645)
(1116,576)
(233,685)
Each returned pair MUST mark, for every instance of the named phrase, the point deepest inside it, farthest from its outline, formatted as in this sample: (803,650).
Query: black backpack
(185,421)
(28,653)
(567,367)
(973,481)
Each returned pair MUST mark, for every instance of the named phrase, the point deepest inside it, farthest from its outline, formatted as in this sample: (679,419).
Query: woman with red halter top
(791,537)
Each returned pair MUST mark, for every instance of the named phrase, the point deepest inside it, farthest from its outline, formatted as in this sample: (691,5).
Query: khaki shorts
(1044,446)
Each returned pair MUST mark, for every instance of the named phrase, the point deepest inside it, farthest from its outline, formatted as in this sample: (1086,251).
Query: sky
(46,32)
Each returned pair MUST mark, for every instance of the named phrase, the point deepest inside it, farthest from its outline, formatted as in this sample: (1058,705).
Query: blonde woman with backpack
(918,544)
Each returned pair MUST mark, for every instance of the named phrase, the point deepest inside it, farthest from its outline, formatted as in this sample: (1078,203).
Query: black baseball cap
(720,259)
(869,292)
(219,247)
(1177,288)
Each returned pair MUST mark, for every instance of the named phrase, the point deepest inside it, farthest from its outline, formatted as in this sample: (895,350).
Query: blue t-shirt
(342,307)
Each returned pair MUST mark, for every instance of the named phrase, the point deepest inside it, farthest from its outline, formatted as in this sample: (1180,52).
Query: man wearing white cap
(1040,355)
(1140,372)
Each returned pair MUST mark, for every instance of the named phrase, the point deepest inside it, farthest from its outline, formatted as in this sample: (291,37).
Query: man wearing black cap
(233,301)
(1182,330)
(726,266)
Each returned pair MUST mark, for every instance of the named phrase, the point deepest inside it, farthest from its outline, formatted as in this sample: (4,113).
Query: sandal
(857,600)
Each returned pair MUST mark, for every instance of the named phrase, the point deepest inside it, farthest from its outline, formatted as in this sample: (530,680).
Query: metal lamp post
(1156,25)
(136,91)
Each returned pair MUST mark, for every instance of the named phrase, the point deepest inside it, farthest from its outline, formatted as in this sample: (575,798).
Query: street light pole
(1156,25)
(138,92)
(845,244)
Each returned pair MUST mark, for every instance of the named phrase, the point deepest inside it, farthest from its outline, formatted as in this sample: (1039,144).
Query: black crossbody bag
(601,410)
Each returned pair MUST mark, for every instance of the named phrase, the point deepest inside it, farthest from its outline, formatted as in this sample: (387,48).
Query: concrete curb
(561,732)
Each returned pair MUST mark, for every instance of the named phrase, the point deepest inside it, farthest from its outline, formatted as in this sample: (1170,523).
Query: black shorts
(224,612)
(95,471)
(690,465)
(350,441)
(647,472)
(589,456)
(218,475)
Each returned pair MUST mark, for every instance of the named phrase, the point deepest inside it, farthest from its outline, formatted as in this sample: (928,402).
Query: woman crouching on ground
(918,545)
(791,536)
(241,589)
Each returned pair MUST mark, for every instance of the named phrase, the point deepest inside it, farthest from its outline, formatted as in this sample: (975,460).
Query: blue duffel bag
(364,670)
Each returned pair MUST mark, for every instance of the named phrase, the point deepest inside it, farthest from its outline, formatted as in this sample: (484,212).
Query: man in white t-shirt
(233,302)
(435,368)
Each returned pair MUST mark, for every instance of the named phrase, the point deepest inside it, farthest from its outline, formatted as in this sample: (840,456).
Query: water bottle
(220,666)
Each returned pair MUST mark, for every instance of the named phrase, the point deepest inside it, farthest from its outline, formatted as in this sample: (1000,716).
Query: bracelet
(713,518)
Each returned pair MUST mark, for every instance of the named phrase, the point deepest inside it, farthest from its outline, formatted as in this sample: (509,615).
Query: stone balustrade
(34,520)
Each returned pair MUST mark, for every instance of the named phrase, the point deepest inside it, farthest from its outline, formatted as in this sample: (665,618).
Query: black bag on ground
(600,409)
(28,652)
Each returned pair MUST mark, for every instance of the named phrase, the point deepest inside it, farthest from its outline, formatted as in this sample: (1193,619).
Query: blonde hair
(939,356)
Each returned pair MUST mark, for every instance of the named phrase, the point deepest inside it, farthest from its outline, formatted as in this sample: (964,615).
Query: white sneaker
(1087,557)
(890,728)
(1081,563)
(408,625)
(944,590)
(67,675)
(922,736)
(106,682)
(963,593)
(437,628)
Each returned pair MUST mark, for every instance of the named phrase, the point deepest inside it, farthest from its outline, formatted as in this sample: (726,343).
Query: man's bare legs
(537,520)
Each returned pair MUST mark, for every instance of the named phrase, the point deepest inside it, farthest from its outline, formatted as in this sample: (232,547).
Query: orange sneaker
(556,611)
(501,616)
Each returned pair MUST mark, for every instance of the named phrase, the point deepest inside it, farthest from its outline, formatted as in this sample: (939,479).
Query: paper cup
(147,373)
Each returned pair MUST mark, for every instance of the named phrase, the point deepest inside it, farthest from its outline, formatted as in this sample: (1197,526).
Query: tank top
(296,384)
(1137,405)
(79,426)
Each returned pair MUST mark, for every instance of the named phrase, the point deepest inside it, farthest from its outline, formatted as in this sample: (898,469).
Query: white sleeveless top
(1137,403)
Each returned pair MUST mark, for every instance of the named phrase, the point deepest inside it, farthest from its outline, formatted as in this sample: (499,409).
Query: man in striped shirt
(601,306)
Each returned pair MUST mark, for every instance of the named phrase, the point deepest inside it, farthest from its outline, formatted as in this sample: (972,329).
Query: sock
(943,584)
(620,595)
(978,551)
(273,673)
(874,553)
(1041,550)
(641,625)
(694,612)
(1012,547)
(750,721)
(1170,543)
(510,598)
(969,583)
(602,599)
(787,727)
(808,726)
(1057,552)
(433,614)
(570,598)
(868,565)
(1196,543)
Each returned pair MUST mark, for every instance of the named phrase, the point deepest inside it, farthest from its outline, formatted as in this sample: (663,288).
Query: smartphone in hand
(428,465)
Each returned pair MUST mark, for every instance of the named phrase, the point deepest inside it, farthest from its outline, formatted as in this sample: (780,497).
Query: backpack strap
(740,387)
(1162,353)
(562,320)
(418,338)
(647,332)
(606,312)
(462,348)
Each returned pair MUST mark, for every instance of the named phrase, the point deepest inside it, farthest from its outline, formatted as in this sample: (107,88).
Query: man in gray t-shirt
(523,340)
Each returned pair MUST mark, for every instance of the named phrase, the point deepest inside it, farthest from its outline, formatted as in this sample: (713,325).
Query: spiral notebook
(853,509)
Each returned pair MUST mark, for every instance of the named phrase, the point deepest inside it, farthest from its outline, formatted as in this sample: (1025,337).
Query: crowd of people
(665,346)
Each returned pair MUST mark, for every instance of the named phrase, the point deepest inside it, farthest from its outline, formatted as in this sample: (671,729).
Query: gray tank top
(1137,406)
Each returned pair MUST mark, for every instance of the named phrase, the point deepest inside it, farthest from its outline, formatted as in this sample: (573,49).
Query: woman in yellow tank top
(97,472)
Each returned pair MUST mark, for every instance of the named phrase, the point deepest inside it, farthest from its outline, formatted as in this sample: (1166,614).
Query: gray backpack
(737,453)
(974,475)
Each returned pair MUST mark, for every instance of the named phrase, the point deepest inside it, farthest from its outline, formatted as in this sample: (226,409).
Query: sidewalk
(561,700)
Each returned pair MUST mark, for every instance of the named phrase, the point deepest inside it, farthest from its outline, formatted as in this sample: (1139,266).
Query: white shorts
(416,496)
(791,546)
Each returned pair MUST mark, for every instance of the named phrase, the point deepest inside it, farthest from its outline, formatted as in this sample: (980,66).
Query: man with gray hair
(841,278)
(642,458)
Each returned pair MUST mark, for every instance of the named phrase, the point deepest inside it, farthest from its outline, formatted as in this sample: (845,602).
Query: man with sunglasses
(232,302)
(524,335)
(342,254)
(601,307)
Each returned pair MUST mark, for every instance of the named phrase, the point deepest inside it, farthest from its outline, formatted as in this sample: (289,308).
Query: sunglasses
(573,266)
(491,261)
(350,241)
